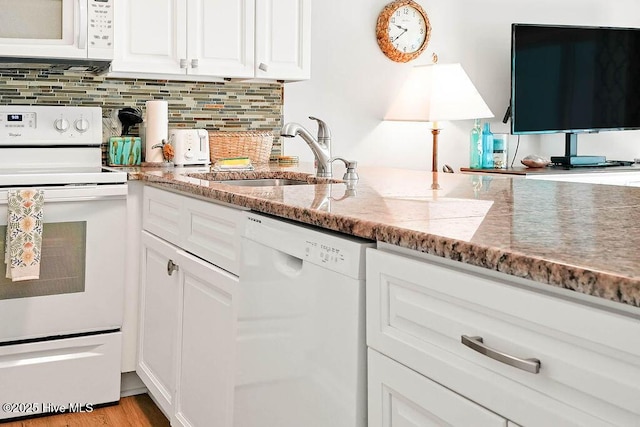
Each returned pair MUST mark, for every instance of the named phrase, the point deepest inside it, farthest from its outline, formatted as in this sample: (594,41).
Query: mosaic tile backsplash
(225,106)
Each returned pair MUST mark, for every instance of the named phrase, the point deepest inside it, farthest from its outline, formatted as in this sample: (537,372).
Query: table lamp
(434,93)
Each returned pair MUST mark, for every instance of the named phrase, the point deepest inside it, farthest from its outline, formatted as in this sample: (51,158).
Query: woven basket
(255,145)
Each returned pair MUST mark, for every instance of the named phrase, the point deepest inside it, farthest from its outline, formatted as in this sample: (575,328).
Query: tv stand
(571,157)
(578,160)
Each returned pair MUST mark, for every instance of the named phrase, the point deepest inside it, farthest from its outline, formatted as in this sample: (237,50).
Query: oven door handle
(82,193)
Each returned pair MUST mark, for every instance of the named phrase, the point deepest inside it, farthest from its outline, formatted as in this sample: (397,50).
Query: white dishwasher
(301,348)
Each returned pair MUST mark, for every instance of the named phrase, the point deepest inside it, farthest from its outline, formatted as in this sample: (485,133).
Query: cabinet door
(150,36)
(206,361)
(159,307)
(221,38)
(283,39)
(399,396)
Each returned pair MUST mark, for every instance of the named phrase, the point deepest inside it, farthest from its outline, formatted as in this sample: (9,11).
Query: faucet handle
(323,130)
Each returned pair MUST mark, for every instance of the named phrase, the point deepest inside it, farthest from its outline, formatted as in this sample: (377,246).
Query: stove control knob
(61,125)
(82,125)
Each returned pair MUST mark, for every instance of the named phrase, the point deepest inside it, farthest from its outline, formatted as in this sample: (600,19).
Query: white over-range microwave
(57,31)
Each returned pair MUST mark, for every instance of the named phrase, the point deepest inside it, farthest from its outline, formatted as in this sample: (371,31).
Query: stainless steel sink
(263,182)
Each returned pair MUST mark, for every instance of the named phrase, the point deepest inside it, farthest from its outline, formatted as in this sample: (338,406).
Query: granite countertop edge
(607,285)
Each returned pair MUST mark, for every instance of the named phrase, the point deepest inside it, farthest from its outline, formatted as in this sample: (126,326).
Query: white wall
(353,83)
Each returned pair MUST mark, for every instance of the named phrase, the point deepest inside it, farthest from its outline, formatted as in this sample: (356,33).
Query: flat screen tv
(574,79)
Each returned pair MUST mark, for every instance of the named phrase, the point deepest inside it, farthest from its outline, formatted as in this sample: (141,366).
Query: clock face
(403,30)
(407,29)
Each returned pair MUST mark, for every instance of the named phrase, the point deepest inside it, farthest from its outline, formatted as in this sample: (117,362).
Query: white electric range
(60,334)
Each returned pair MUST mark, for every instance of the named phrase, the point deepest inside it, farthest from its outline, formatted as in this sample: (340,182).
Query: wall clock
(403,30)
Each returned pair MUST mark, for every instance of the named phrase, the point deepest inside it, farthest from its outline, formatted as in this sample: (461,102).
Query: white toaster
(191,146)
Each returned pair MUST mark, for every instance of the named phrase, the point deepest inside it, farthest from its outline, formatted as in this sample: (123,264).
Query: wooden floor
(133,411)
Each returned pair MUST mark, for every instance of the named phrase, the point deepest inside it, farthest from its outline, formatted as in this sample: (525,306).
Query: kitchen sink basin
(262,178)
(263,182)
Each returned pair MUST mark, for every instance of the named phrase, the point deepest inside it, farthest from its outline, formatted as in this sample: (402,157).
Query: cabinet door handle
(263,67)
(171,267)
(476,343)
(194,63)
(183,63)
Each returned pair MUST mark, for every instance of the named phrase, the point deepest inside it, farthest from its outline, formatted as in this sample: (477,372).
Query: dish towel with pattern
(23,241)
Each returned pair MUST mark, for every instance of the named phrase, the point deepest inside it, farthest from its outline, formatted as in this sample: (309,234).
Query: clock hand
(398,36)
(400,27)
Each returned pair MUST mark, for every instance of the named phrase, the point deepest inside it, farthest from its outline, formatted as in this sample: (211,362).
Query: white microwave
(80,30)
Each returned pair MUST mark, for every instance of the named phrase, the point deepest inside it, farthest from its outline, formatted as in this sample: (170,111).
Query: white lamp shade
(438,92)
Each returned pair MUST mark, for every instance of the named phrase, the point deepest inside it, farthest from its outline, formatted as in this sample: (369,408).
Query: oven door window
(62,266)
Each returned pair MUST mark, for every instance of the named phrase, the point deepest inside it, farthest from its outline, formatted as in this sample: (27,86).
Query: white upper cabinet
(220,37)
(283,39)
(150,36)
(244,39)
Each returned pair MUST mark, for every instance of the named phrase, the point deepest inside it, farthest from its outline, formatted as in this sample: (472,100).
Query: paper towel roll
(157,129)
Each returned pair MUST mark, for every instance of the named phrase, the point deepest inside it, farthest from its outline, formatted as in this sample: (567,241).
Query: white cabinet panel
(132,276)
(188,307)
(400,397)
(588,376)
(206,366)
(150,36)
(241,39)
(187,335)
(221,38)
(212,232)
(206,229)
(161,213)
(159,307)
(283,39)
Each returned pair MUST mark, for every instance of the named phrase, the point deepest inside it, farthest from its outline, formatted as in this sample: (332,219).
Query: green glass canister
(487,147)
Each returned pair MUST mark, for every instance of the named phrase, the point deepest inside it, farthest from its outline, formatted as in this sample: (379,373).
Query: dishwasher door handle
(476,344)
(286,264)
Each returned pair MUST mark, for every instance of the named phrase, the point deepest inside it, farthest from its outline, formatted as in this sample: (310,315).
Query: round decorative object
(403,30)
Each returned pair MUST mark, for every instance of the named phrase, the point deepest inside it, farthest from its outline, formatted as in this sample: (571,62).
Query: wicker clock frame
(382,31)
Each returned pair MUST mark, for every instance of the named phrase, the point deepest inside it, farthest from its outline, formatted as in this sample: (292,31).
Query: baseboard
(131,384)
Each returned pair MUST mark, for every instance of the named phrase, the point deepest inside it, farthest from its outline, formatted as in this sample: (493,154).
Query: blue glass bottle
(475,146)
(487,147)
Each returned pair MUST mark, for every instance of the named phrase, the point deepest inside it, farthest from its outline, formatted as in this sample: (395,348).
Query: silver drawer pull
(171,267)
(475,343)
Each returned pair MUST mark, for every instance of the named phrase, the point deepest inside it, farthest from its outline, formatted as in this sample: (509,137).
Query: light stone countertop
(581,237)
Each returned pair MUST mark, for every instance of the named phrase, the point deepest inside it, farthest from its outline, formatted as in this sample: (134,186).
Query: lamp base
(434,181)
(434,155)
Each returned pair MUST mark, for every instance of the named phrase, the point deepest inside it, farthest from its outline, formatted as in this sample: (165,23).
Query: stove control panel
(20,120)
(30,125)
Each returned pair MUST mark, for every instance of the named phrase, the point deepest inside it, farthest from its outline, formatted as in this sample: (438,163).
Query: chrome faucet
(321,147)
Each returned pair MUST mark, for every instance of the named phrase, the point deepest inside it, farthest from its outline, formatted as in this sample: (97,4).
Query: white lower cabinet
(188,315)
(399,396)
(207,337)
(187,335)
(532,357)
(158,322)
